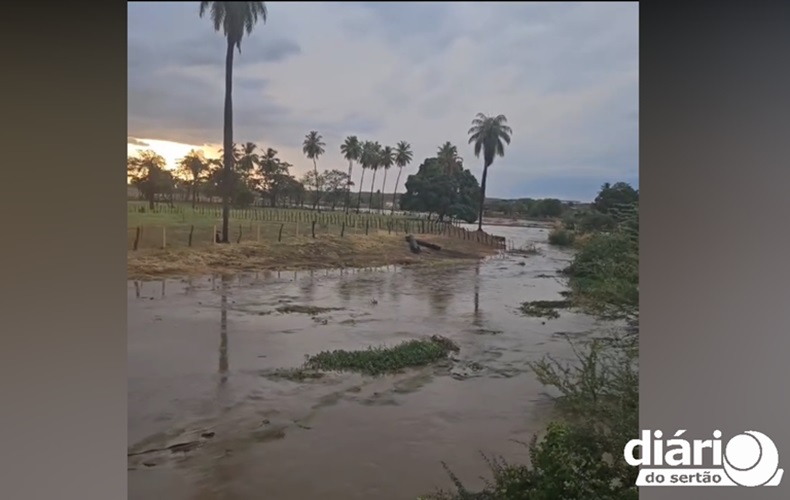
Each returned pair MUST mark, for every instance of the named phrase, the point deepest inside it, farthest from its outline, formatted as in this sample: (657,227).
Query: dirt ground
(325,251)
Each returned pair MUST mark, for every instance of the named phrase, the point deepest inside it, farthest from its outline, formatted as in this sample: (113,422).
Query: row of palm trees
(370,155)
(489,134)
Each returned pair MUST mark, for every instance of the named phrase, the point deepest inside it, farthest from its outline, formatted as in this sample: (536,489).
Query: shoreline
(323,252)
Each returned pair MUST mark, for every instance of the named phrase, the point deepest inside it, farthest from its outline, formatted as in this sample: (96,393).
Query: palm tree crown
(489,134)
(403,154)
(313,145)
(234,18)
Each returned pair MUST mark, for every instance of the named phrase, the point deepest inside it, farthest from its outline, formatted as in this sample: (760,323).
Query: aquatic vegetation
(381,360)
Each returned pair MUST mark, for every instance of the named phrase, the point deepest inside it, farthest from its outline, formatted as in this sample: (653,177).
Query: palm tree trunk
(317,188)
(395,193)
(227,143)
(383,187)
(359,196)
(482,198)
(348,185)
(370,198)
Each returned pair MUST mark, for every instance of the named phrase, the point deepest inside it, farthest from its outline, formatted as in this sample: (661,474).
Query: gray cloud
(136,142)
(565,74)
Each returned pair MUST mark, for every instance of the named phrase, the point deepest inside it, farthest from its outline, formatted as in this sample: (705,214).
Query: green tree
(147,173)
(403,157)
(313,148)
(194,167)
(433,191)
(234,19)
(489,134)
(351,150)
(336,184)
(613,197)
(386,160)
(274,175)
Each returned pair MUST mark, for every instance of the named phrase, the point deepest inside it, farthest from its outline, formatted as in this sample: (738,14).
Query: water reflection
(477,316)
(223,331)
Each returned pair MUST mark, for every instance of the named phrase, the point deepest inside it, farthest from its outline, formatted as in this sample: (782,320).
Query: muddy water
(208,418)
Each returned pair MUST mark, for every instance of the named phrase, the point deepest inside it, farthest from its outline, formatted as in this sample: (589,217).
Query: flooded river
(207,420)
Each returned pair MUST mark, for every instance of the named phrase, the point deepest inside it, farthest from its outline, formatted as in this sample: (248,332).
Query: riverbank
(325,251)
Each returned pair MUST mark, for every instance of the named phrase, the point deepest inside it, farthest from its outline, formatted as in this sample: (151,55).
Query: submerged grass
(381,360)
(544,308)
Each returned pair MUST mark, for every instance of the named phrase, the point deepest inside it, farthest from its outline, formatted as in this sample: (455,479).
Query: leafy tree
(194,167)
(547,207)
(386,160)
(403,157)
(613,197)
(433,191)
(313,181)
(351,150)
(293,190)
(313,147)
(336,184)
(148,175)
(234,19)
(489,134)
(274,175)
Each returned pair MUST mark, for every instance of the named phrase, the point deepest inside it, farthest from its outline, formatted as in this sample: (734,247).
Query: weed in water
(544,308)
(381,360)
(310,310)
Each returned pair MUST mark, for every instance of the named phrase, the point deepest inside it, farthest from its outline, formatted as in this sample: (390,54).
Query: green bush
(562,237)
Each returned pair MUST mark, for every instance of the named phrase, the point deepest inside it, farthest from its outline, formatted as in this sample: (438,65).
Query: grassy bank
(179,240)
(324,251)
(580,457)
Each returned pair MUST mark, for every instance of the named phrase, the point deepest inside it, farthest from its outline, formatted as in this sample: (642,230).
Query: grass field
(182,226)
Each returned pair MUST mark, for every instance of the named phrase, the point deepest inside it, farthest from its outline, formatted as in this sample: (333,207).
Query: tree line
(488,134)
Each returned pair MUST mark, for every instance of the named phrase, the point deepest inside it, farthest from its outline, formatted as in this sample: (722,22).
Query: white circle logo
(750,459)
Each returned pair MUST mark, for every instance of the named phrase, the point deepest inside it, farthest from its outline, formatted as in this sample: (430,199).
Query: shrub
(561,237)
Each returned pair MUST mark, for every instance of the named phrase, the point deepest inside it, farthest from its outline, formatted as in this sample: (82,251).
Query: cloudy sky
(566,75)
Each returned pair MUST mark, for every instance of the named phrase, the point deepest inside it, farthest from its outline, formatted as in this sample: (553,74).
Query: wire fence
(182,227)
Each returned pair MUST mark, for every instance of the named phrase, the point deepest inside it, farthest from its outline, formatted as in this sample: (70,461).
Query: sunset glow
(172,152)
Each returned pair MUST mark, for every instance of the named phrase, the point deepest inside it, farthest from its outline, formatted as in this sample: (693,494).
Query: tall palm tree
(375,163)
(248,159)
(386,160)
(403,157)
(489,134)
(194,166)
(234,19)
(351,150)
(313,147)
(448,158)
(366,158)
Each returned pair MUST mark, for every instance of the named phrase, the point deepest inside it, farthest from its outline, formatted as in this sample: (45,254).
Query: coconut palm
(448,158)
(194,166)
(375,163)
(489,134)
(248,159)
(403,157)
(386,160)
(366,160)
(234,19)
(313,147)
(351,150)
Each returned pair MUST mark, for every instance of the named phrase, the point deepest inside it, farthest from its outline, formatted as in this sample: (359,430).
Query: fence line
(296,225)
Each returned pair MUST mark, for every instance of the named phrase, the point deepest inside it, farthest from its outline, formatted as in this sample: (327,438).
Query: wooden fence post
(258,237)
(191,232)
(164,237)
(279,236)
(137,238)
(214,235)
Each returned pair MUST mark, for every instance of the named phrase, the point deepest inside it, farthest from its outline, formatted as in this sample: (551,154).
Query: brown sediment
(325,251)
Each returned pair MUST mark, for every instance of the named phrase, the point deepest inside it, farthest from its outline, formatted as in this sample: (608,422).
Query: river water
(201,353)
